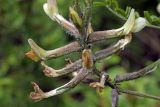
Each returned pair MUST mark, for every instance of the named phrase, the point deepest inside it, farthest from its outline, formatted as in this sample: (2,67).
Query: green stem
(116,14)
(124,19)
(153,26)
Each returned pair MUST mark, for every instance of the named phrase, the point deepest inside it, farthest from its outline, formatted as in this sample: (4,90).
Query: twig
(116,14)
(115,98)
(153,26)
(140,94)
(138,74)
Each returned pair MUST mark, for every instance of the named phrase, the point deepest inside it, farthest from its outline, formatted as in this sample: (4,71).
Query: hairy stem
(72,47)
(116,14)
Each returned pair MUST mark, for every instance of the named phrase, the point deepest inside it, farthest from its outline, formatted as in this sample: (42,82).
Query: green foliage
(23,19)
(113,6)
(152,18)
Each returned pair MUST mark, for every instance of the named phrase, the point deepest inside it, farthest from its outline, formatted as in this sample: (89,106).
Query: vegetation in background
(22,19)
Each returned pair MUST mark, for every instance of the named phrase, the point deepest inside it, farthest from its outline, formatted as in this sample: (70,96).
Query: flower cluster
(81,28)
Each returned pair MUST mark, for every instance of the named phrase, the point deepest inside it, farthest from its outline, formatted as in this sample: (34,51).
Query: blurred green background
(23,19)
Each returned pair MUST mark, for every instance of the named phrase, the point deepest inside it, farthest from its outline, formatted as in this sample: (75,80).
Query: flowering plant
(80,27)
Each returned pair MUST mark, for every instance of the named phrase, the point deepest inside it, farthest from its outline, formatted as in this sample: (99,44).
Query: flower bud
(132,24)
(75,17)
(51,9)
(52,6)
(139,24)
(158,8)
(52,12)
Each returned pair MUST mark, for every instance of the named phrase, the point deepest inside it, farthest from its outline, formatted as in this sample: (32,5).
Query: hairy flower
(51,10)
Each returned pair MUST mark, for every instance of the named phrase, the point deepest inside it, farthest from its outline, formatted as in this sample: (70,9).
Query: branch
(138,74)
(140,94)
(115,98)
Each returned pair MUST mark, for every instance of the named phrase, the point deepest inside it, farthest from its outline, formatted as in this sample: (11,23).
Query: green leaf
(114,8)
(99,4)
